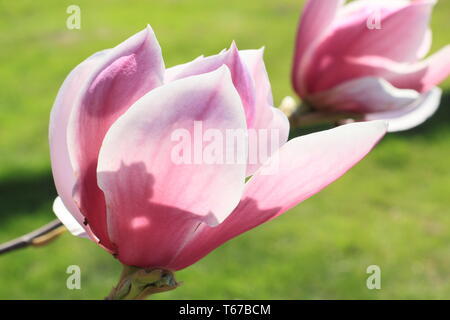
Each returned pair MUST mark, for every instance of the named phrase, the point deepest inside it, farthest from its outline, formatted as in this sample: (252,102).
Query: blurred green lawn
(392,210)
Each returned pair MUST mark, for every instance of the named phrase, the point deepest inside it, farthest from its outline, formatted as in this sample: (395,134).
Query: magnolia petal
(404,23)
(155,200)
(62,170)
(420,76)
(305,165)
(173,73)
(363,95)
(270,129)
(317,17)
(125,74)
(254,60)
(240,74)
(412,115)
(67,218)
(358,7)
(350,39)
(266,140)
(425,46)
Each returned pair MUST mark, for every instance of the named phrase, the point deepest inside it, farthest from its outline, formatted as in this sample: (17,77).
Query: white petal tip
(67,219)
(413,115)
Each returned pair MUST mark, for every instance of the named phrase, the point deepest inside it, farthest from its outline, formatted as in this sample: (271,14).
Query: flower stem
(138,283)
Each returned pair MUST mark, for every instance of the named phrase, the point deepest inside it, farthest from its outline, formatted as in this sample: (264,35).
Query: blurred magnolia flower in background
(111,153)
(365,58)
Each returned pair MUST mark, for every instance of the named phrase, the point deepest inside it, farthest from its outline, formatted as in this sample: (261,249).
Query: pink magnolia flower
(365,57)
(111,153)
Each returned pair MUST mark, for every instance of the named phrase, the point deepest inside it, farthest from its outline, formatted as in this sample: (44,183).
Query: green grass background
(392,209)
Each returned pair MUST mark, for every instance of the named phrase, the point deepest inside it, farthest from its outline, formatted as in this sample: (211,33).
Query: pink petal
(363,95)
(155,202)
(124,74)
(306,165)
(67,218)
(405,26)
(254,61)
(173,73)
(403,23)
(249,76)
(412,115)
(270,129)
(419,76)
(315,21)
(63,174)
(266,138)
(425,46)
(241,77)
(423,76)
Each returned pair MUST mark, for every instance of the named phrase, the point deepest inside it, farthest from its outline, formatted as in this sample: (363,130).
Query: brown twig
(36,238)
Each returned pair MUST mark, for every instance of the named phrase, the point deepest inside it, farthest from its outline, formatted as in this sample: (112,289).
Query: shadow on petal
(145,233)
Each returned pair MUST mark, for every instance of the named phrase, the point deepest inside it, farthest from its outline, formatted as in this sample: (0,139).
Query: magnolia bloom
(365,57)
(111,142)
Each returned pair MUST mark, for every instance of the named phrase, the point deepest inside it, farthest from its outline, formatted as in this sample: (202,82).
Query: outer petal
(424,75)
(125,74)
(402,23)
(241,77)
(419,76)
(173,73)
(68,219)
(363,95)
(412,115)
(154,201)
(405,26)
(270,128)
(306,165)
(63,174)
(425,46)
(254,61)
(315,21)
